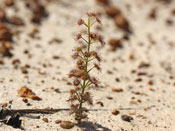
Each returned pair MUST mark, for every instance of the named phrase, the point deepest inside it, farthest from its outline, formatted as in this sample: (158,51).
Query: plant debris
(27,93)
(126,118)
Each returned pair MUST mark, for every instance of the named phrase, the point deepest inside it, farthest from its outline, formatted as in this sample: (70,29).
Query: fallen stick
(9,112)
(51,111)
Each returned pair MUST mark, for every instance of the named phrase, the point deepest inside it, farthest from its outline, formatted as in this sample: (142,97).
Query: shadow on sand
(89,126)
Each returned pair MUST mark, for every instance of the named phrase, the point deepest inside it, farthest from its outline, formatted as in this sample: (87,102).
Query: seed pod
(76,82)
(100,39)
(76,73)
(91,14)
(94,81)
(75,55)
(94,36)
(87,54)
(80,21)
(72,91)
(93,53)
(80,64)
(79,49)
(78,36)
(97,66)
(98,57)
(72,98)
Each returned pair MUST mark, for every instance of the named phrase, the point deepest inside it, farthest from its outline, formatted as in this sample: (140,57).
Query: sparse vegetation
(81,74)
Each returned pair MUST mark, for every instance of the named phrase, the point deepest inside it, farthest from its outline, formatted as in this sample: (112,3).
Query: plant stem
(85,70)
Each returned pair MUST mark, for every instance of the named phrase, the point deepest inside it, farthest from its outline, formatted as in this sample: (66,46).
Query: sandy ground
(151,106)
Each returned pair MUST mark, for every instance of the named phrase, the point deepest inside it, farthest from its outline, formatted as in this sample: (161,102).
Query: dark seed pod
(76,82)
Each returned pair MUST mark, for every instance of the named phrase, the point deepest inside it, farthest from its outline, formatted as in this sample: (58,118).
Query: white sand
(61,23)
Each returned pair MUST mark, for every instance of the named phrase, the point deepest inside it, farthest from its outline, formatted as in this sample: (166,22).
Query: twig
(36,111)
(10,112)
(51,111)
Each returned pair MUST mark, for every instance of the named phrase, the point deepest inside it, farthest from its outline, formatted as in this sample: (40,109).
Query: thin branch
(78,96)
(91,59)
(82,54)
(93,23)
(90,69)
(85,24)
(84,39)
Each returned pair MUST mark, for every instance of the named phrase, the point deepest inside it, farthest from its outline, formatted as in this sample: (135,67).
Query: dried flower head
(80,22)
(75,55)
(97,66)
(101,40)
(98,20)
(78,36)
(76,82)
(94,36)
(91,14)
(80,64)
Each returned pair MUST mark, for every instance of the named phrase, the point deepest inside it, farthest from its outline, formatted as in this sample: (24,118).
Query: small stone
(173,12)
(34,97)
(5,48)
(16,21)
(5,34)
(153,14)
(28,104)
(109,97)
(45,120)
(117,79)
(100,103)
(117,89)
(57,90)
(2,14)
(24,91)
(133,102)
(5,104)
(9,2)
(122,23)
(57,121)
(24,70)
(126,118)
(25,100)
(1,62)
(112,11)
(115,44)
(149,122)
(115,112)
(143,65)
(104,2)
(16,61)
(169,22)
(132,113)
(38,11)
(66,124)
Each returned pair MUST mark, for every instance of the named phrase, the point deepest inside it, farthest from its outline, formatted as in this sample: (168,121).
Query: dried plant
(81,74)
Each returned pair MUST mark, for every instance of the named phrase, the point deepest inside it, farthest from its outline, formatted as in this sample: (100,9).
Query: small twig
(36,111)
(51,111)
